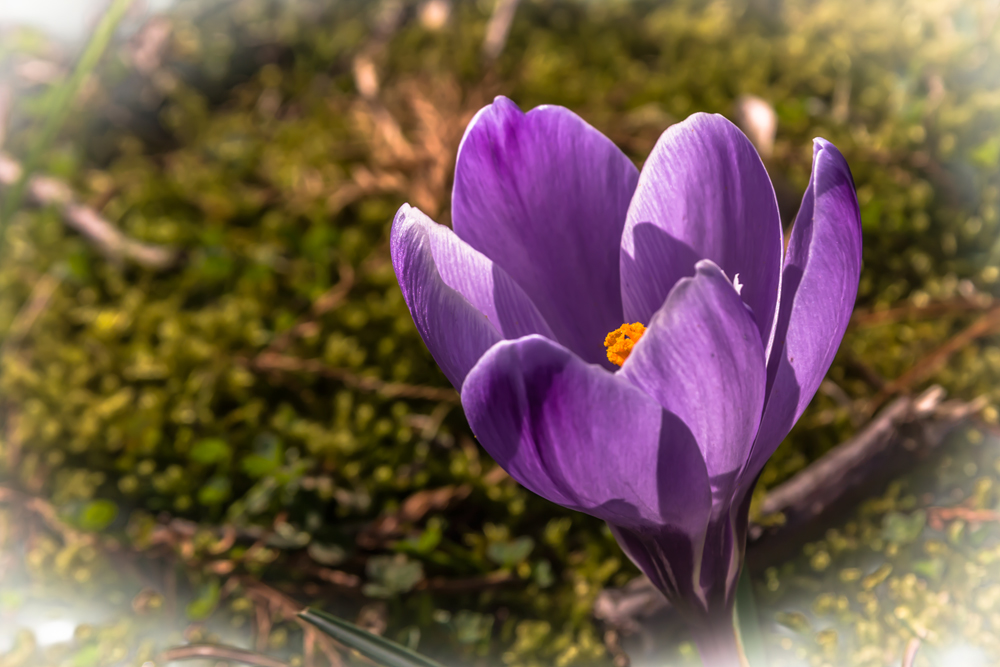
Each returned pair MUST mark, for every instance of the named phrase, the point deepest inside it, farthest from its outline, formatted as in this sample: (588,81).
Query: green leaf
(428,540)
(215,491)
(747,622)
(987,154)
(256,466)
(510,553)
(931,568)
(209,451)
(472,627)
(98,515)
(206,602)
(379,649)
(88,656)
(327,554)
(392,575)
(902,528)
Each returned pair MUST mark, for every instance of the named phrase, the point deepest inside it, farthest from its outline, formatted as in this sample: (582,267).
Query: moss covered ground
(189,453)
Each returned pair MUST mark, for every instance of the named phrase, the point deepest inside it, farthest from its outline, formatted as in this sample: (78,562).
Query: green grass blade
(62,101)
(748,623)
(379,649)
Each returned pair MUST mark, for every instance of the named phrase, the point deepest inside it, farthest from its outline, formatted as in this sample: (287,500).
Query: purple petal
(461,302)
(670,559)
(703,194)
(584,438)
(702,359)
(697,572)
(544,195)
(819,286)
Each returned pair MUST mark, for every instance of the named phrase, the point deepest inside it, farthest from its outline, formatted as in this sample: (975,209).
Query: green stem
(748,622)
(62,103)
(718,644)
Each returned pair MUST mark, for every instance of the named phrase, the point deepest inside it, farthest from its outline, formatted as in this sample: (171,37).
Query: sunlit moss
(242,150)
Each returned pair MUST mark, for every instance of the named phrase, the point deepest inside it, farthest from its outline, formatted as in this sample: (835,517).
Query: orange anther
(620,341)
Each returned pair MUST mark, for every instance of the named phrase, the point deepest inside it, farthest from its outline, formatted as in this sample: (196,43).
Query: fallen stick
(905,432)
(109,240)
(277,603)
(871,318)
(6,97)
(808,493)
(910,653)
(279,363)
(498,28)
(987,324)
(220,652)
(41,294)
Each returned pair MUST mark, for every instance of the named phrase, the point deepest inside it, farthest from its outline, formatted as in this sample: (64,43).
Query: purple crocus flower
(564,261)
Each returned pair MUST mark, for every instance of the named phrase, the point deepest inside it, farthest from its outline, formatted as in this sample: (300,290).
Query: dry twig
(413,509)
(279,363)
(220,652)
(109,241)
(41,294)
(910,654)
(6,98)
(986,325)
(820,484)
(870,318)
(936,516)
(498,28)
(146,49)
(278,603)
(457,585)
(45,511)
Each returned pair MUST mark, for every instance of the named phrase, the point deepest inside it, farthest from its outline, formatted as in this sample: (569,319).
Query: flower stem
(717,644)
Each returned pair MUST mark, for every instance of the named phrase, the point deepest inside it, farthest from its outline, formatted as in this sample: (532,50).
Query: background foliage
(259,425)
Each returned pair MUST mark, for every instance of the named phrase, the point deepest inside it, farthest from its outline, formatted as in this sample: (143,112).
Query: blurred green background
(222,411)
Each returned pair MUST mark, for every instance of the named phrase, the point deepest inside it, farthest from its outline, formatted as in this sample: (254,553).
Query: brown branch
(814,488)
(936,516)
(109,240)
(6,99)
(498,28)
(986,325)
(870,318)
(388,526)
(46,511)
(145,51)
(867,373)
(289,609)
(467,584)
(910,653)
(219,652)
(262,625)
(41,294)
(279,363)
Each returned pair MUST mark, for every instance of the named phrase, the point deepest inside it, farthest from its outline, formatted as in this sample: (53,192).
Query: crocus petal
(670,558)
(461,302)
(544,195)
(702,359)
(819,286)
(585,438)
(703,194)
(697,572)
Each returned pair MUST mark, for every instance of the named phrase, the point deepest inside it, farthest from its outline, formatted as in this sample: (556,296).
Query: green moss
(250,150)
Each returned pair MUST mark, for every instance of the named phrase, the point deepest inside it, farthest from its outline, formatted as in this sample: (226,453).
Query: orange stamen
(620,341)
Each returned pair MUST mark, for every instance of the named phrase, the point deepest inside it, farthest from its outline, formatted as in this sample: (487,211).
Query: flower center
(620,341)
